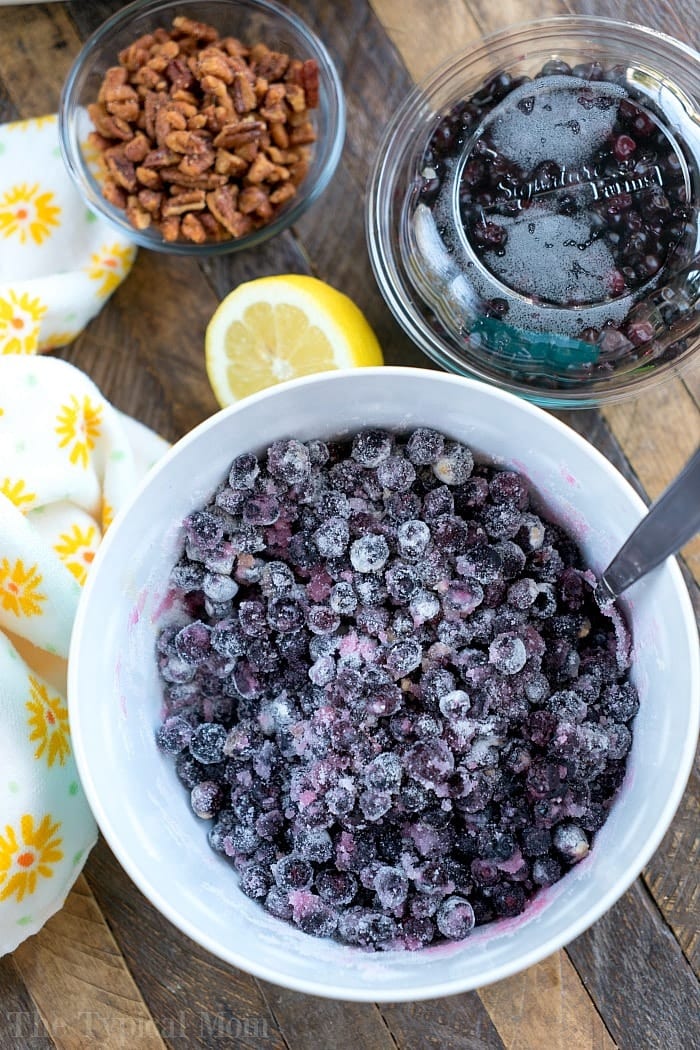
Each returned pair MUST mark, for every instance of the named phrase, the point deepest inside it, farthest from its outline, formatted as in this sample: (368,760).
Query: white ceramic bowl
(115,694)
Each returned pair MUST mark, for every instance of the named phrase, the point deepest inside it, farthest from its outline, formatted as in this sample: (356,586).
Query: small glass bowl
(532,214)
(252,21)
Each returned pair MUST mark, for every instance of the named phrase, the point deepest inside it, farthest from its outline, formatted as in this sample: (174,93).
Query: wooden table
(108,970)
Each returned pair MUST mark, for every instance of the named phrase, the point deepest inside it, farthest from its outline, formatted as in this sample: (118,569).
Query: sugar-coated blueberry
(455,918)
(424,446)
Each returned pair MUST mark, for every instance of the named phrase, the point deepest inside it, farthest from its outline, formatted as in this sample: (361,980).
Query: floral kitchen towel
(58,261)
(68,461)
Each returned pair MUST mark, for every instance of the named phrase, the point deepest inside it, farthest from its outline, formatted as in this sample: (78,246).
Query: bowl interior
(252,21)
(145,814)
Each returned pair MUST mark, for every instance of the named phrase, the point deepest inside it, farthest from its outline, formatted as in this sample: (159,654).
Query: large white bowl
(115,694)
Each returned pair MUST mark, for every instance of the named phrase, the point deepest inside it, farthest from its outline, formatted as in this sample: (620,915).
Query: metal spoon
(669,523)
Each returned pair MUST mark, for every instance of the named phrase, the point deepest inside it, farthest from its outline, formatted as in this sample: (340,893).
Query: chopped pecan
(282,156)
(168,119)
(109,126)
(121,168)
(254,199)
(215,231)
(148,78)
(194,200)
(135,55)
(295,72)
(160,158)
(208,181)
(296,97)
(190,142)
(197,163)
(137,149)
(309,80)
(229,164)
(149,178)
(269,64)
(279,135)
(283,193)
(115,77)
(213,62)
(215,87)
(184,26)
(139,218)
(170,228)
(263,170)
(299,171)
(192,229)
(233,47)
(247,152)
(243,93)
(302,135)
(113,193)
(237,134)
(222,205)
(150,200)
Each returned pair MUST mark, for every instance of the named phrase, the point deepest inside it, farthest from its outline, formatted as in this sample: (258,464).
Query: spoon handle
(669,523)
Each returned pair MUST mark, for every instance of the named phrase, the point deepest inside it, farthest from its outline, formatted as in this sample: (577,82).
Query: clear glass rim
(332,106)
(386,172)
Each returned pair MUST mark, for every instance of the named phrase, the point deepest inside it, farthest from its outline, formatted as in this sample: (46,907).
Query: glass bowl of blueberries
(532,215)
(364,728)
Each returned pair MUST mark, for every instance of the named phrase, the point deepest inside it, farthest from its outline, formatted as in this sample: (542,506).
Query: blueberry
(289,461)
(277,903)
(571,842)
(192,642)
(256,881)
(243,471)
(396,474)
(293,873)
(371,447)
(455,918)
(207,743)
(455,465)
(336,888)
(391,887)
(424,446)
(507,653)
(203,529)
(174,735)
(413,536)
(343,599)
(206,798)
(403,657)
(455,705)
(332,537)
(321,619)
(369,553)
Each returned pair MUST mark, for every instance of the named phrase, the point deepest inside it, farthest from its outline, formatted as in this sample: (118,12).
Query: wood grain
(656,450)
(637,975)
(546,1006)
(460,1023)
(201,1000)
(20,1021)
(80,984)
(33,70)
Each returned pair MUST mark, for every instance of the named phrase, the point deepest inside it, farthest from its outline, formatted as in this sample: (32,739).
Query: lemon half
(277,328)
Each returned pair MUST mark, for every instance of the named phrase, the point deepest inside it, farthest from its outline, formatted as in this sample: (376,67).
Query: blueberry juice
(553,222)
(389,691)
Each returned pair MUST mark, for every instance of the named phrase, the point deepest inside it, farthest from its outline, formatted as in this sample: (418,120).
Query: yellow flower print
(17,493)
(107,515)
(109,265)
(28,854)
(77,550)
(20,318)
(78,424)
(28,213)
(32,122)
(56,339)
(18,588)
(48,720)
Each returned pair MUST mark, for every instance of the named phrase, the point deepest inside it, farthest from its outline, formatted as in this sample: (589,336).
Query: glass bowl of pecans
(532,214)
(202,127)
